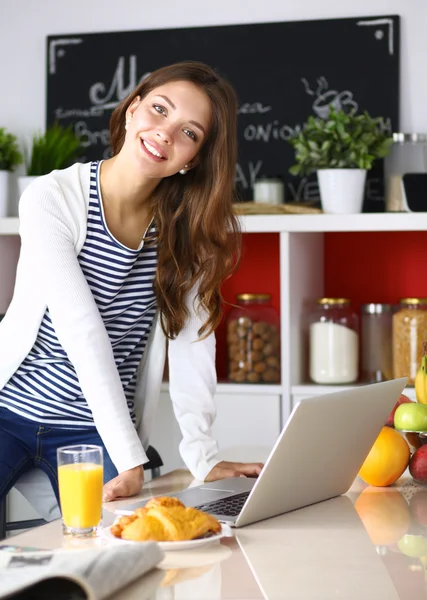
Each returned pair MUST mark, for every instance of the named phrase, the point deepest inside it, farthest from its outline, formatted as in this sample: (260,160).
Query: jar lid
(375,309)
(333,301)
(413,301)
(409,137)
(247,296)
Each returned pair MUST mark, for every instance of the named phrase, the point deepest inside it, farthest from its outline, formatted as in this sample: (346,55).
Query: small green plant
(342,141)
(10,157)
(57,148)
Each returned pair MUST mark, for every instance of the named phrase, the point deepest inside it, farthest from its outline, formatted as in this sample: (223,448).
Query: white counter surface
(349,547)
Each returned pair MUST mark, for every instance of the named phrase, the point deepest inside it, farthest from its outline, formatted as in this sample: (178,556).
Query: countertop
(368,544)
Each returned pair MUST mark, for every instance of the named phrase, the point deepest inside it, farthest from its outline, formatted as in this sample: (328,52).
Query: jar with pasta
(253,340)
(409,333)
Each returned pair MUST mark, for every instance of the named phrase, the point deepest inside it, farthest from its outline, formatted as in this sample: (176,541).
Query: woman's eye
(159,109)
(190,134)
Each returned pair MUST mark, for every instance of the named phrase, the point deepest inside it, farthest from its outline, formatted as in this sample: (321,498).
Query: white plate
(168,546)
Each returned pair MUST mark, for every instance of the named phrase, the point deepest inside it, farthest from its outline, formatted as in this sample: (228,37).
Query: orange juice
(80,492)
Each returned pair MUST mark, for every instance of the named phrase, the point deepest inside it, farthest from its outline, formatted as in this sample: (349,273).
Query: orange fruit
(385,515)
(387,459)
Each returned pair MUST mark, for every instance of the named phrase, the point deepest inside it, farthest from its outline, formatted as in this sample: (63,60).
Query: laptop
(316,457)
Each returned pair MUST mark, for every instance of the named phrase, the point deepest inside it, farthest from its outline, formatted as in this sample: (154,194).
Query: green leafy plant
(10,157)
(57,148)
(342,141)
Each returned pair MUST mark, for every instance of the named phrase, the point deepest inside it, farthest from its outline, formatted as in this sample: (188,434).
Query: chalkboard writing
(282,72)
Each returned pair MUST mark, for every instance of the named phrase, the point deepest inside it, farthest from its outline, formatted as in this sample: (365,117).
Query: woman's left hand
(226,469)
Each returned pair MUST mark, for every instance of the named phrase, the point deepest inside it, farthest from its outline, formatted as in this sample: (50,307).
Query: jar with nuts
(253,340)
(409,333)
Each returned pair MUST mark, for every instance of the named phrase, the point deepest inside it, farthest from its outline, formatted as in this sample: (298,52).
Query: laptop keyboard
(230,506)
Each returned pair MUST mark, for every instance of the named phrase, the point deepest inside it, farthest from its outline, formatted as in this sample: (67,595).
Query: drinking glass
(80,479)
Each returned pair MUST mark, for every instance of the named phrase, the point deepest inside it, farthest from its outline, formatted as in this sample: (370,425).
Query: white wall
(24,25)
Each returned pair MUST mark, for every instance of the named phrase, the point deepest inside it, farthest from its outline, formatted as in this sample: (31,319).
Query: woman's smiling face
(167,128)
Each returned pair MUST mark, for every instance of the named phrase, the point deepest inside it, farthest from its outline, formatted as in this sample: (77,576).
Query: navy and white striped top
(45,387)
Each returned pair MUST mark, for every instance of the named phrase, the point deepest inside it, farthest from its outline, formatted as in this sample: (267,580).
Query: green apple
(413,545)
(411,417)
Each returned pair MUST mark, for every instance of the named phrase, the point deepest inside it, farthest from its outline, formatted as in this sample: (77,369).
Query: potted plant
(10,157)
(341,148)
(57,148)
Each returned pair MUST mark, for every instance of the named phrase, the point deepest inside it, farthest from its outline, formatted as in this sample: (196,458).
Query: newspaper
(78,574)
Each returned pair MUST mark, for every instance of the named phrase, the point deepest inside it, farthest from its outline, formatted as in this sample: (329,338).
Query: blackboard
(282,72)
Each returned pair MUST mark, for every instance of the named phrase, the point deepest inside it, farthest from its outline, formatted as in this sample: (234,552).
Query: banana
(421,379)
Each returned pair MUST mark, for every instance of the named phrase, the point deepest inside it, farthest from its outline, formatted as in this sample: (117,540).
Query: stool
(154,465)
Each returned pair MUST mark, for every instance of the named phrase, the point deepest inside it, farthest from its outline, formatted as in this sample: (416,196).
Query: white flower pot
(24,181)
(341,190)
(4,193)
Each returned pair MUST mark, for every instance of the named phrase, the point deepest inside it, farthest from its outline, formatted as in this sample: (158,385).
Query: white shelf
(327,222)
(305,223)
(249,388)
(241,388)
(312,389)
(305,389)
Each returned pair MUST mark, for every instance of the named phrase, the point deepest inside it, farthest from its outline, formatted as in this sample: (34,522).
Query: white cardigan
(53,219)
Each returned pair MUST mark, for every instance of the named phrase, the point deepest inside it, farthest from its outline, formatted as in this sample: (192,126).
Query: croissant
(166,501)
(165,519)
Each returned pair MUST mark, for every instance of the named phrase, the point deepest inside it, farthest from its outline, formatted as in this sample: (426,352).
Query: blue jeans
(26,444)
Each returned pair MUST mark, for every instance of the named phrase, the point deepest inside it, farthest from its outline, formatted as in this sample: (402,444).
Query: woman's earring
(128,120)
(184,170)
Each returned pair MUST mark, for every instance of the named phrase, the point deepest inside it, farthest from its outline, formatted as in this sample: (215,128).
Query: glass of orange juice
(80,479)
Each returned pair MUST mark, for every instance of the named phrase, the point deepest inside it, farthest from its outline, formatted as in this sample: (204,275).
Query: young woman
(118,256)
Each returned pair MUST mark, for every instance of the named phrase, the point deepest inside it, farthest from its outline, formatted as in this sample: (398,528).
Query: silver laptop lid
(321,449)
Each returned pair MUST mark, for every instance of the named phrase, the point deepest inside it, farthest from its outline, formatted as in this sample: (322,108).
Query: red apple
(418,465)
(402,400)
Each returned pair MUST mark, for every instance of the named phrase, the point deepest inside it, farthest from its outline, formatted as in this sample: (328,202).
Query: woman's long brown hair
(198,233)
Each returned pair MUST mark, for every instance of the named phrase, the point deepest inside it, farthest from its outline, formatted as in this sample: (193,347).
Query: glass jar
(269,190)
(409,333)
(253,340)
(334,342)
(408,154)
(376,333)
